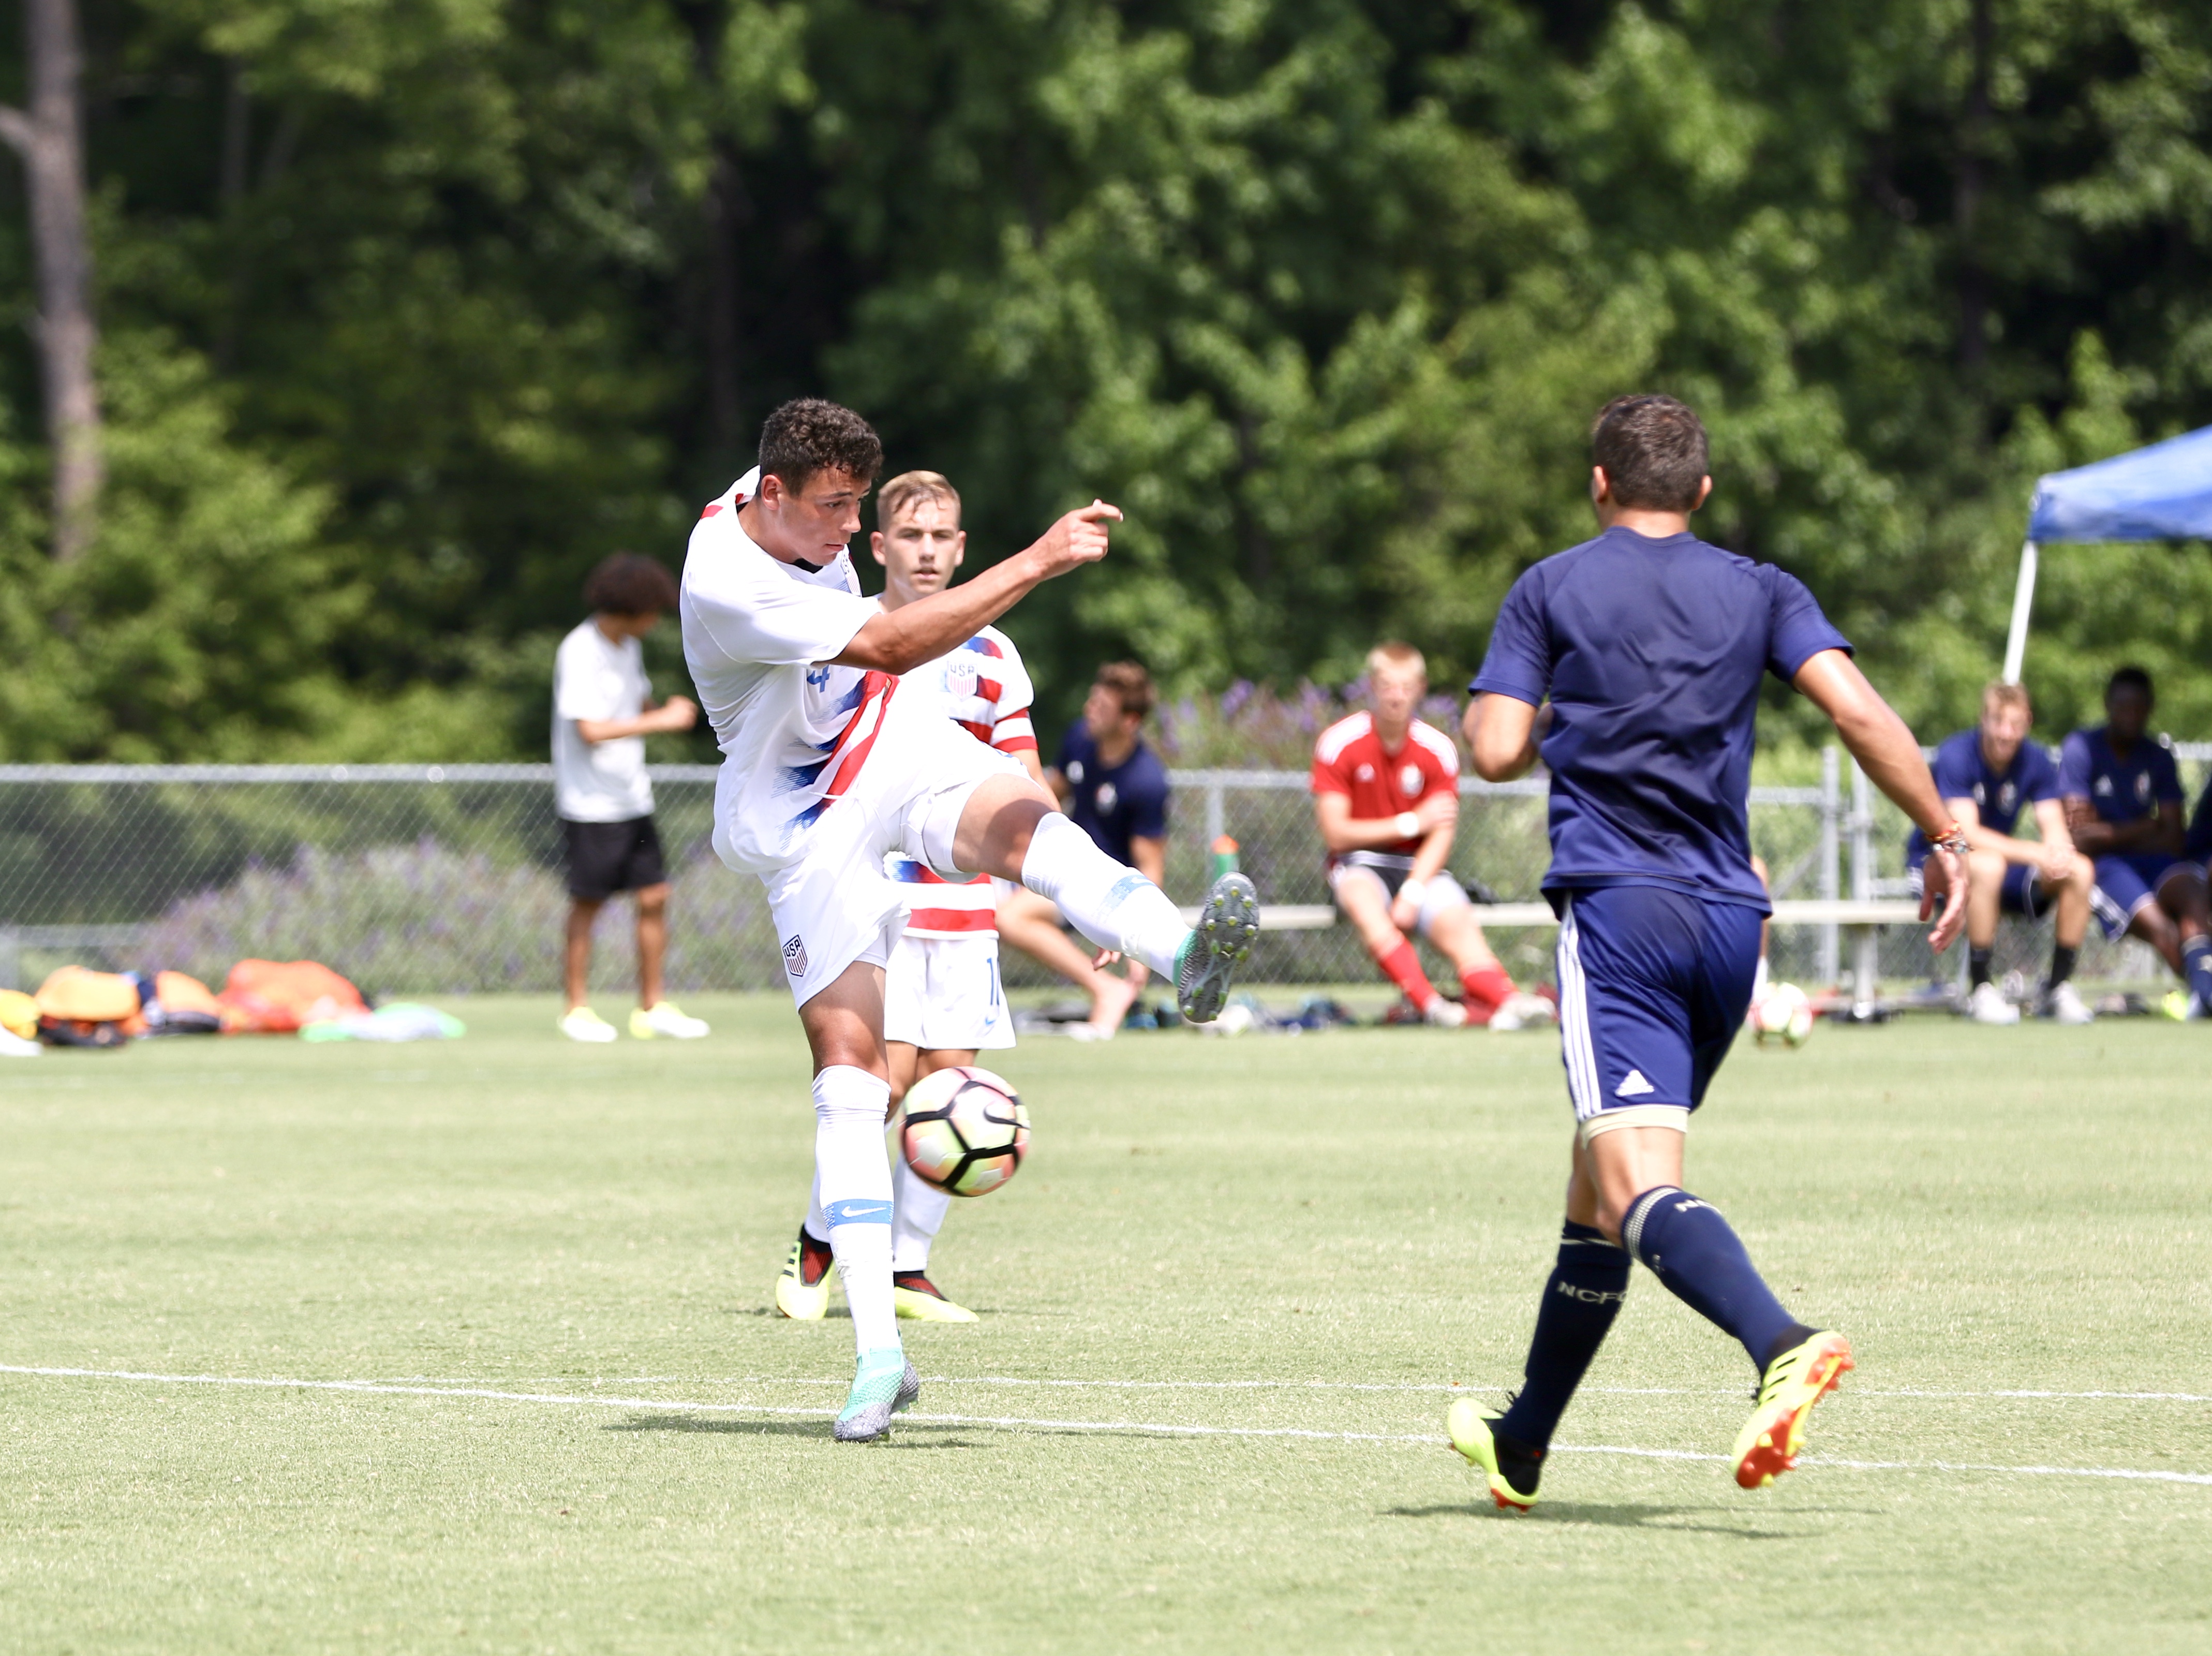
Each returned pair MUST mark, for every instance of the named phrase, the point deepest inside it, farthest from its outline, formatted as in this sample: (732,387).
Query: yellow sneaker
(582,1024)
(802,1293)
(1768,1445)
(664,1017)
(915,1297)
(1510,1469)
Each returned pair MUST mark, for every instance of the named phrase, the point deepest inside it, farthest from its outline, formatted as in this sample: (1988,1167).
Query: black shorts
(606,857)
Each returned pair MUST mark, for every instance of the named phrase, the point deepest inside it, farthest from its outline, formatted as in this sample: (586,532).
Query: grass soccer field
(468,1348)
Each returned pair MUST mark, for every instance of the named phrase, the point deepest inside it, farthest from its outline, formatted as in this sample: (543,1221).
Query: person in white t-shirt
(943,1001)
(603,711)
(830,763)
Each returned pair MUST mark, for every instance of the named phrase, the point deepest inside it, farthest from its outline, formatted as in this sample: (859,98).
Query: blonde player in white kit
(829,766)
(943,1003)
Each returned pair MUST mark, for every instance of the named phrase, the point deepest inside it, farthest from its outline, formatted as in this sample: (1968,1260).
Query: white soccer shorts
(1444,893)
(943,994)
(835,905)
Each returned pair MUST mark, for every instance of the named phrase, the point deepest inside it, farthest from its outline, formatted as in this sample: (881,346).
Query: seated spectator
(1386,796)
(1986,776)
(2124,805)
(1115,789)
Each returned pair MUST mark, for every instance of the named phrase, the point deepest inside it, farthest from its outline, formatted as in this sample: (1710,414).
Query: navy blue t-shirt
(1652,652)
(2198,845)
(1129,801)
(2120,790)
(1962,773)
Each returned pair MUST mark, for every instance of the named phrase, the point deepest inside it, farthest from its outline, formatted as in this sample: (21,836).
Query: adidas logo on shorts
(1633,1086)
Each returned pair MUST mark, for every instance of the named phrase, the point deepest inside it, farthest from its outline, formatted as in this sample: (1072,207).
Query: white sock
(854,1178)
(918,1210)
(816,1225)
(1110,903)
(1759,982)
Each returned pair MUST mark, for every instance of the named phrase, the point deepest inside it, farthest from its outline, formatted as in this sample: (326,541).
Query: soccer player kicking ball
(942,1000)
(1385,798)
(1651,645)
(830,764)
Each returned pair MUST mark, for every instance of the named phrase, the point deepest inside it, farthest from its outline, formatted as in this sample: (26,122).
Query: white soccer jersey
(985,690)
(793,734)
(595,676)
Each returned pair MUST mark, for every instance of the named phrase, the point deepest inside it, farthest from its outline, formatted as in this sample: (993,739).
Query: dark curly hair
(809,435)
(1653,450)
(629,583)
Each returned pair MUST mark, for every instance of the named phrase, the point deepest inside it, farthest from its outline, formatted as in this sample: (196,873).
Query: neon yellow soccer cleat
(916,1297)
(1512,1468)
(802,1293)
(665,1019)
(1768,1445)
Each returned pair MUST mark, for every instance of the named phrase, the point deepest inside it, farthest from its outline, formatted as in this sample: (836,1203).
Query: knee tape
(844,1093)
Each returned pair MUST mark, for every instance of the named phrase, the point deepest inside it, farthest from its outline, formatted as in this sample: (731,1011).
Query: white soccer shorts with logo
(943,994)
(835,905)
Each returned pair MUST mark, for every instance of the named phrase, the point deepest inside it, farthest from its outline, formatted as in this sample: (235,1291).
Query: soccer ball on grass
(1785,1015)
(965,1131)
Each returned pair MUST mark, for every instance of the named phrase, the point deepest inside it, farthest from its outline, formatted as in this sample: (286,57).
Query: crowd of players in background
(2111,842)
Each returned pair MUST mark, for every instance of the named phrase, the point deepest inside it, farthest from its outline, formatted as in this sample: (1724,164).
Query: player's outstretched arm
(1887,753)
(899,640)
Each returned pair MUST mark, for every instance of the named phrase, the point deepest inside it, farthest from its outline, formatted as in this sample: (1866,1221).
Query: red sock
(1402,966)
(1486,989)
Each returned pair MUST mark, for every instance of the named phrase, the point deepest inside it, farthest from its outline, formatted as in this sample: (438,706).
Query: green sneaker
(884,1384)
(1221,938)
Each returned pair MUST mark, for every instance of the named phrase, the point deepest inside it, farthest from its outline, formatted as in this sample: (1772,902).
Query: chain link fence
(424,879)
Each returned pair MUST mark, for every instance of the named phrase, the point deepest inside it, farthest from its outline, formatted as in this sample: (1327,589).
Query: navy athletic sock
(1581,1300)
(2062,964)
(1693,1250)
(1977,965)
(2197,964)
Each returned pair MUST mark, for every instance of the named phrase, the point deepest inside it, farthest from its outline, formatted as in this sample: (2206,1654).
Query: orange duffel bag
(80,1007)
(273,997)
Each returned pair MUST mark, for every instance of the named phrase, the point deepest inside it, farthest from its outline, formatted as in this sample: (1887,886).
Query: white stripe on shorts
(1575,1045)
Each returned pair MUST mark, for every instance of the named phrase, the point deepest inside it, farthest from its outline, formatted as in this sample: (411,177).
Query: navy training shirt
(1652,652)
(1129,801)
(1963,773)
(2198,846)
(2120,790)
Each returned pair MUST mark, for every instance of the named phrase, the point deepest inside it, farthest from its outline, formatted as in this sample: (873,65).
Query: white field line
(1855,1389)
(1014,1422)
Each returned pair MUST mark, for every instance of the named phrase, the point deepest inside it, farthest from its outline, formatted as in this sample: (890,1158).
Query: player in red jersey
(1386,794)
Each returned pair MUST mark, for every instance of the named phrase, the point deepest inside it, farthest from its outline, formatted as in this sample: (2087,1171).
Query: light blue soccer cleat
(1221,938)
(884,1384)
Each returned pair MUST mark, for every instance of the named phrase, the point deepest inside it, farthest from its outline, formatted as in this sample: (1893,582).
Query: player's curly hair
(809,434)
(1654,452)
(629,583)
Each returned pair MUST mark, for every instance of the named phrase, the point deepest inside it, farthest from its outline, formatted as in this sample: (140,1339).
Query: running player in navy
(1632,665)
(2123,802)
(1987,776)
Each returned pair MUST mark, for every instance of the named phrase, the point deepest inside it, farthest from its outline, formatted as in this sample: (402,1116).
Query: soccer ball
(965,1131)
(1785,1015)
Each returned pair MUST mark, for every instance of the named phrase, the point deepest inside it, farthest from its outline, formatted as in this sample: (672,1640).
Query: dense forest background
(411,311)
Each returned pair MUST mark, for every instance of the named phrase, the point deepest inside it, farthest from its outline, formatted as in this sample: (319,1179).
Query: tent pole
(2023,600)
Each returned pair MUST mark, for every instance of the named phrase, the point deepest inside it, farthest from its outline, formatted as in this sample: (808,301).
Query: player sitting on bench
(1386,794)
(1986,776)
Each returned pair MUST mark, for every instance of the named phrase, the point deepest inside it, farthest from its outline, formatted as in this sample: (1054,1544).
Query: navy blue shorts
(1654,985)
(2129,881)
(2019,892)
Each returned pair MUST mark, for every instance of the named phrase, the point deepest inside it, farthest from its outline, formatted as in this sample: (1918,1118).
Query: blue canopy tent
(2163,492)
